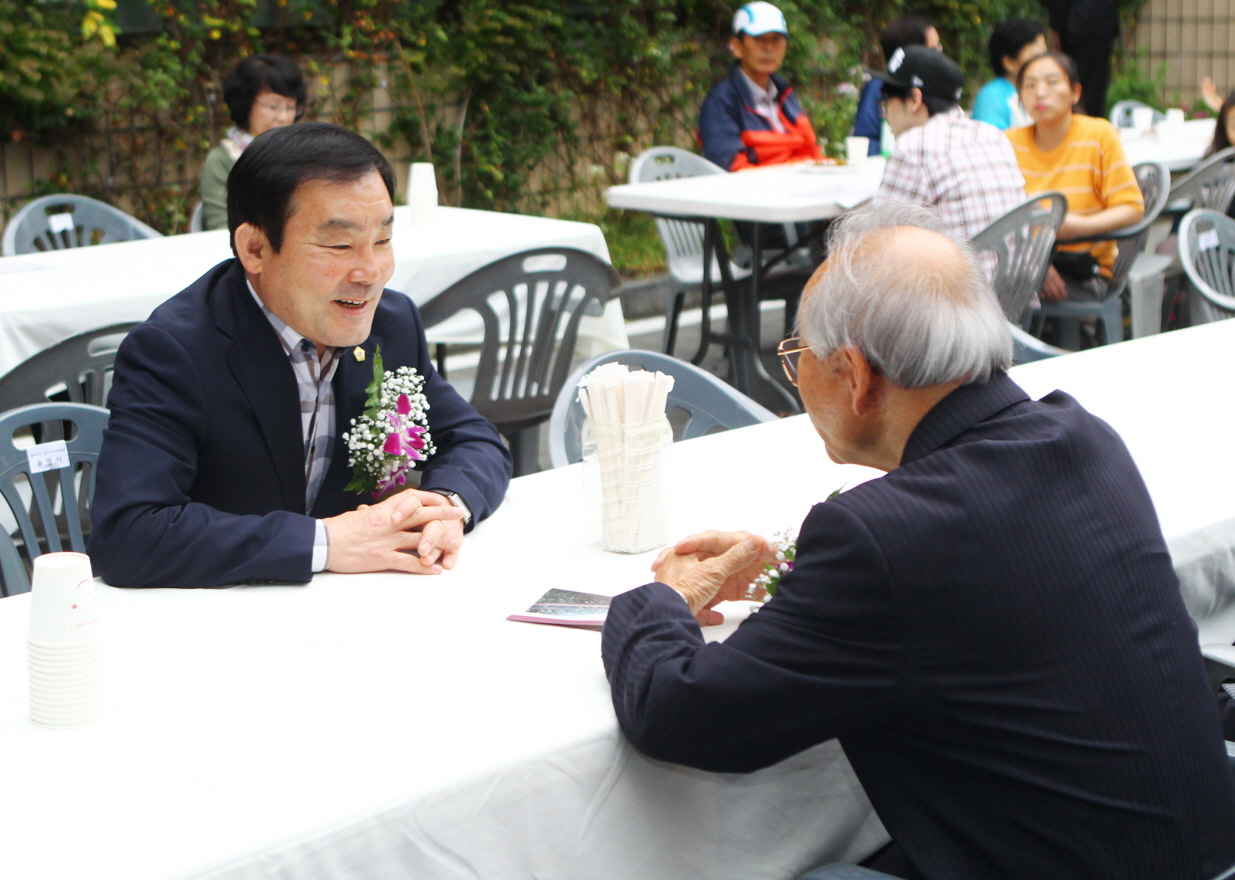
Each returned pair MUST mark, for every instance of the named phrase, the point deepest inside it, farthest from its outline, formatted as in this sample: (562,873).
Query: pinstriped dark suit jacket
(994,632)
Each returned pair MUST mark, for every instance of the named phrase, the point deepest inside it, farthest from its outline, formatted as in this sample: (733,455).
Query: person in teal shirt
(1013,42)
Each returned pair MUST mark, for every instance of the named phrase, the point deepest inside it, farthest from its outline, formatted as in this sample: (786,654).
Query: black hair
(257,73)
(909,30)
(1221,141)
(263,182)
(1066,64)
(934,105)
(1010,37)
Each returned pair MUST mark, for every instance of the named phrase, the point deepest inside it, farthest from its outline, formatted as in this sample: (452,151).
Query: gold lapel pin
(358,353)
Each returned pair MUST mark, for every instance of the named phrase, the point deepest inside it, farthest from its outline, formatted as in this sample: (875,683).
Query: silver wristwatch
(458,502)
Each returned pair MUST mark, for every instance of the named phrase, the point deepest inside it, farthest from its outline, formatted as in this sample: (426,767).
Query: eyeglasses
(279,106)
(790,350)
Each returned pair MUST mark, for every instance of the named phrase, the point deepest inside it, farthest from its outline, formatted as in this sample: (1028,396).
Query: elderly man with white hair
(993,629)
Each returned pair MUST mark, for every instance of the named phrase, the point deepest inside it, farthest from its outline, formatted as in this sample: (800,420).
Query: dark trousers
(1092,55)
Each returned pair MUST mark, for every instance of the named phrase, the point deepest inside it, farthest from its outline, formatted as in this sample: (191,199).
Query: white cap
(758,19)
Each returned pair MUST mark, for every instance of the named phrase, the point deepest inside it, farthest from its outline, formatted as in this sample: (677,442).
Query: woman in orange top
(1082,157)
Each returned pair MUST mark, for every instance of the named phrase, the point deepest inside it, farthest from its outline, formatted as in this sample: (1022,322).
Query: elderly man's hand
(387,535)
(1053,287)
(712,567)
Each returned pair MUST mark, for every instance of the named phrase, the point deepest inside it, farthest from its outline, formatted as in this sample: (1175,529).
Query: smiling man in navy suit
(223,461)
(993,629)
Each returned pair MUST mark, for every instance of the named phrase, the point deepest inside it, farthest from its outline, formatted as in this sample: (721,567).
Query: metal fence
(1193,38)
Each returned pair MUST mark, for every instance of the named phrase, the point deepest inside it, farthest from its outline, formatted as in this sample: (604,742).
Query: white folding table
(773,194)
(46,298)
(376,726)
(1178,150)
(386,726)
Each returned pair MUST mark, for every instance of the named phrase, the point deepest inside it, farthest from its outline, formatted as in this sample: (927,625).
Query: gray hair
(918,325)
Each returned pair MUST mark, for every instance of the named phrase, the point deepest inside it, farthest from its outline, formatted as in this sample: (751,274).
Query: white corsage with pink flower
(393,433)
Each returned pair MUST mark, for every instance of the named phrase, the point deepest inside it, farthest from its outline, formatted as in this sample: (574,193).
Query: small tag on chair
(60,222)
(47,456)
(1207,240)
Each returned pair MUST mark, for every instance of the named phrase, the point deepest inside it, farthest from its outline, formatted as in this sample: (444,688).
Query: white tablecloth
(775,194)
(1178,150)
(1165,395)
(389,726)
(46,298)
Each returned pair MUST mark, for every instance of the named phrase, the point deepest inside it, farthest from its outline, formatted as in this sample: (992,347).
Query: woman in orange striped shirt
(1082,157)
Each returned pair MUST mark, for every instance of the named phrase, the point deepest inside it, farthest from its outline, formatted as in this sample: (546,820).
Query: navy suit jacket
(995,633)
(201,478)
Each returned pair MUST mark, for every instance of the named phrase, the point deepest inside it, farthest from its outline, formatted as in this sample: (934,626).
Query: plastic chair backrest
(531,304)
(1207,252)
(197,220)
(1210,185)
(1026,348)
(1022,241)
(79,367)
(57,222)
(51,508)
(1154,180)
(698,404)
(683,239)
(1121,113)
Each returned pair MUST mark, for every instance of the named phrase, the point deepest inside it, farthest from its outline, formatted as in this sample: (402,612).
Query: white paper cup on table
(630,463)
(65,648)
(856,149)
(1173,126)
(1142,118)
(422,193)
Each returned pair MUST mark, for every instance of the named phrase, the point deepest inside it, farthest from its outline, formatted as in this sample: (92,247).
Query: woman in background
(1082,157)
(263,92)
(1224,127)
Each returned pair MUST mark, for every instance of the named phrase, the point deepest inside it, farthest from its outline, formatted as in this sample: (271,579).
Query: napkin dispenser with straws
(625,439)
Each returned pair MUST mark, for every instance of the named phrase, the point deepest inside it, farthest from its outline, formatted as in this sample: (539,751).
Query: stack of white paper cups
(65,646)
(422,193)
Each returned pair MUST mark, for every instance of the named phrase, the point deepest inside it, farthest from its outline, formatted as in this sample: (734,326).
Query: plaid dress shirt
(317,410)
(966,170)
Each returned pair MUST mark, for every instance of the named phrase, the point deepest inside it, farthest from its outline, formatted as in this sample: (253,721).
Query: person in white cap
(752,116)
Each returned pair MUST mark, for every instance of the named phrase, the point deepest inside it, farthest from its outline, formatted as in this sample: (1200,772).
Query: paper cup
(68,721)
(91,650)
(66,678)
(1142,118)
(422,193)
(856,149)
(51,699)
(62,601)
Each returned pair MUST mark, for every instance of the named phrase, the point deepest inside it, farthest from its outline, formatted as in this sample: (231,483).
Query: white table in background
(1179,150)
(46,298)
(774,194)
(389,726)
(1166,395)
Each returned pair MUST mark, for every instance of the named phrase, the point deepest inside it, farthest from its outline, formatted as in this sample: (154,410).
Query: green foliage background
(526,105)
